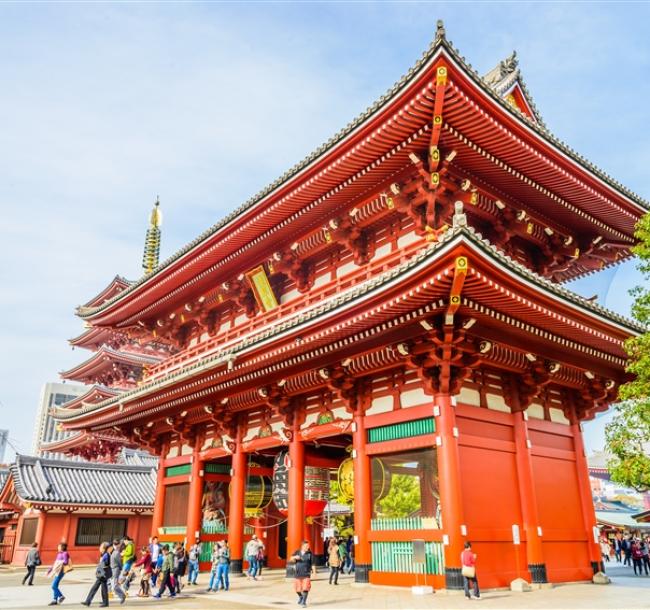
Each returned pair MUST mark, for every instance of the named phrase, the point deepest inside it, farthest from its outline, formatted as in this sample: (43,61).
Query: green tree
(403,498)
(628,435)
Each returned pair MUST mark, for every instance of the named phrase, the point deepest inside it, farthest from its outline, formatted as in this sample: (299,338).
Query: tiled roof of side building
(440,42)
(61,482)
(4,475)
(133,457)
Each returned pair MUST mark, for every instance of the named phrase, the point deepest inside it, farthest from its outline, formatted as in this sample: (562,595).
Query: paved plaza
(625,592)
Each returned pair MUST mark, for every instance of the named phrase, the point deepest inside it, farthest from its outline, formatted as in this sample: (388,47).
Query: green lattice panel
(404,429)
(206,551)
(175,471)
(174,529)
(398,557)
(214,527)
(217,468)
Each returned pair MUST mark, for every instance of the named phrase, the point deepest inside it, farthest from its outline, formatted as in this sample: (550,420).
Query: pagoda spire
(152,239)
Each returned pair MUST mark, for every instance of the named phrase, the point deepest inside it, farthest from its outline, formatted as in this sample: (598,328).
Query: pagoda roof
(62,483)
(116,285)
(589,324)
(95,393)
(540,166)
(105,357)
(100,441)
(93,337)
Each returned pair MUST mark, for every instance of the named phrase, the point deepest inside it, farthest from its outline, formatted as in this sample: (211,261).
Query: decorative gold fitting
(529,228)
(473,198)
(435,178)
(434,153)
(437,119)
(390,204)
(441,76)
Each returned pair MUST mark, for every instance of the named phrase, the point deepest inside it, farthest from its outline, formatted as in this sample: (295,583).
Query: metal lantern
(317,490)
(381,478)
(280,490)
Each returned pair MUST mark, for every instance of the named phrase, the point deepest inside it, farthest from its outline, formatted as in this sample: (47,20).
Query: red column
(450,489)
(296,516)
(534,550)
(586,500)
(236,510)
(193,530)
(159,503)
(362,501)
(134,529)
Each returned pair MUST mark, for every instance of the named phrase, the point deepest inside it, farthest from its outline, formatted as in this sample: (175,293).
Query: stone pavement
(626,592)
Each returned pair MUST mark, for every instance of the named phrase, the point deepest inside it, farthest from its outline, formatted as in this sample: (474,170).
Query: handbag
(468,571)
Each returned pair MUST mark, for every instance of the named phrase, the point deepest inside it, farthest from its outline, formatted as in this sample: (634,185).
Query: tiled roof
(63,482)
(133,457)
(439,43)
(4,475)
(374,283)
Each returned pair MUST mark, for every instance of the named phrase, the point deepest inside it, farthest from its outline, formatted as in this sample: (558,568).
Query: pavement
(626,592)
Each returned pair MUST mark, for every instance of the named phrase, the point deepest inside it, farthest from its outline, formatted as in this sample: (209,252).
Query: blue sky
(105,106)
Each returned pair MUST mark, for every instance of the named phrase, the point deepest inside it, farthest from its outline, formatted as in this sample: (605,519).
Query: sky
(106,106)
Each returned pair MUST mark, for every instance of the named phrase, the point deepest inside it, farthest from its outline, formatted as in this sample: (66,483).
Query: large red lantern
(317,486)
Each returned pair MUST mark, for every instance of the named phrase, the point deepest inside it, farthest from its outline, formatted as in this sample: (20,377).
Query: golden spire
(152,239)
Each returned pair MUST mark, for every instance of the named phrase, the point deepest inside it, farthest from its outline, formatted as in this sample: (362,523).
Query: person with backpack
(468,570)
(32,561)
(116,571)
(166,573)
(102,576)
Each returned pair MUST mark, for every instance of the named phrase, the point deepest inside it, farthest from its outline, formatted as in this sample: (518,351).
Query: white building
(45,429)
(4,437)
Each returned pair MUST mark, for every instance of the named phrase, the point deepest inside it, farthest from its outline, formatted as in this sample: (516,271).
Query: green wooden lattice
(174,471)
(398,557)
(217,468)
(404,429)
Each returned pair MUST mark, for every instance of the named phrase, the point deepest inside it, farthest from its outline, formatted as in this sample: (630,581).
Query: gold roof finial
(152,239)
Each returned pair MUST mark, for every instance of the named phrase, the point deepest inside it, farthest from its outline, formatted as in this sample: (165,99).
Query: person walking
(645,550)
(166,573)
(61,566)
(156,559)
(468,570)
(252,549)
(349,544)
(343,553)
(334,561)
(304,561)
(260,559)
(223,567)
(193,563)
(128,558)
(32,561)
(116,571)
(637,557)
(144,563)
(102,576)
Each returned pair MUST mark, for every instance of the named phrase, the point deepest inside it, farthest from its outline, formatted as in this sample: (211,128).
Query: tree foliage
(628,435)
(403,498)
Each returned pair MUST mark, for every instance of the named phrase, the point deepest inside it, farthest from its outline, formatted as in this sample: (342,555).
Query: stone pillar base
(453,579)
(538,573)
(598,566)
(236,566)
(362,572)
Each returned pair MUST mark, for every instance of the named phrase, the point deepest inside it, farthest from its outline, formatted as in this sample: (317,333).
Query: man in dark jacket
(303,559)
(103,574)
(32,561)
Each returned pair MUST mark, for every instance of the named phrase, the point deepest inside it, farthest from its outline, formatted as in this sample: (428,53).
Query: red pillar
(586,500)
(296,516)
(159,503)
(529,512)
(362,501)
(450,489)
(236,510)
(195,496)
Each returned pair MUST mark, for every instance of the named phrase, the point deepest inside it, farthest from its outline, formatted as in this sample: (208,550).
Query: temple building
(50,501)
(390,314)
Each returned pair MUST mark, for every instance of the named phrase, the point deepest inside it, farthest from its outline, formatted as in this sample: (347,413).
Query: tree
(403,498)
(628,435)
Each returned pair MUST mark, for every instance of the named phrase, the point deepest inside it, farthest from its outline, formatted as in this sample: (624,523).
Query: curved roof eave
(438,46)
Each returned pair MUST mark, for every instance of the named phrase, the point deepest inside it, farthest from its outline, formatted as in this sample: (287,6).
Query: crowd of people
(630,550)
(159,569)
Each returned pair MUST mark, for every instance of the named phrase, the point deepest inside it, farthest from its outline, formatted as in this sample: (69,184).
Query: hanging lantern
(317,490)
(317,483)
(380,479)
(280,491)
(258,493)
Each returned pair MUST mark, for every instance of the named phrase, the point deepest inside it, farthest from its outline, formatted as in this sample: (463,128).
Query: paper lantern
(280,491)
(317,490)
(380,479)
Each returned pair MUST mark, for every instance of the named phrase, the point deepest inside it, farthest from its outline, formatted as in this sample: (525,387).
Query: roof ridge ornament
(440,31)
(459,219)
(509,64)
